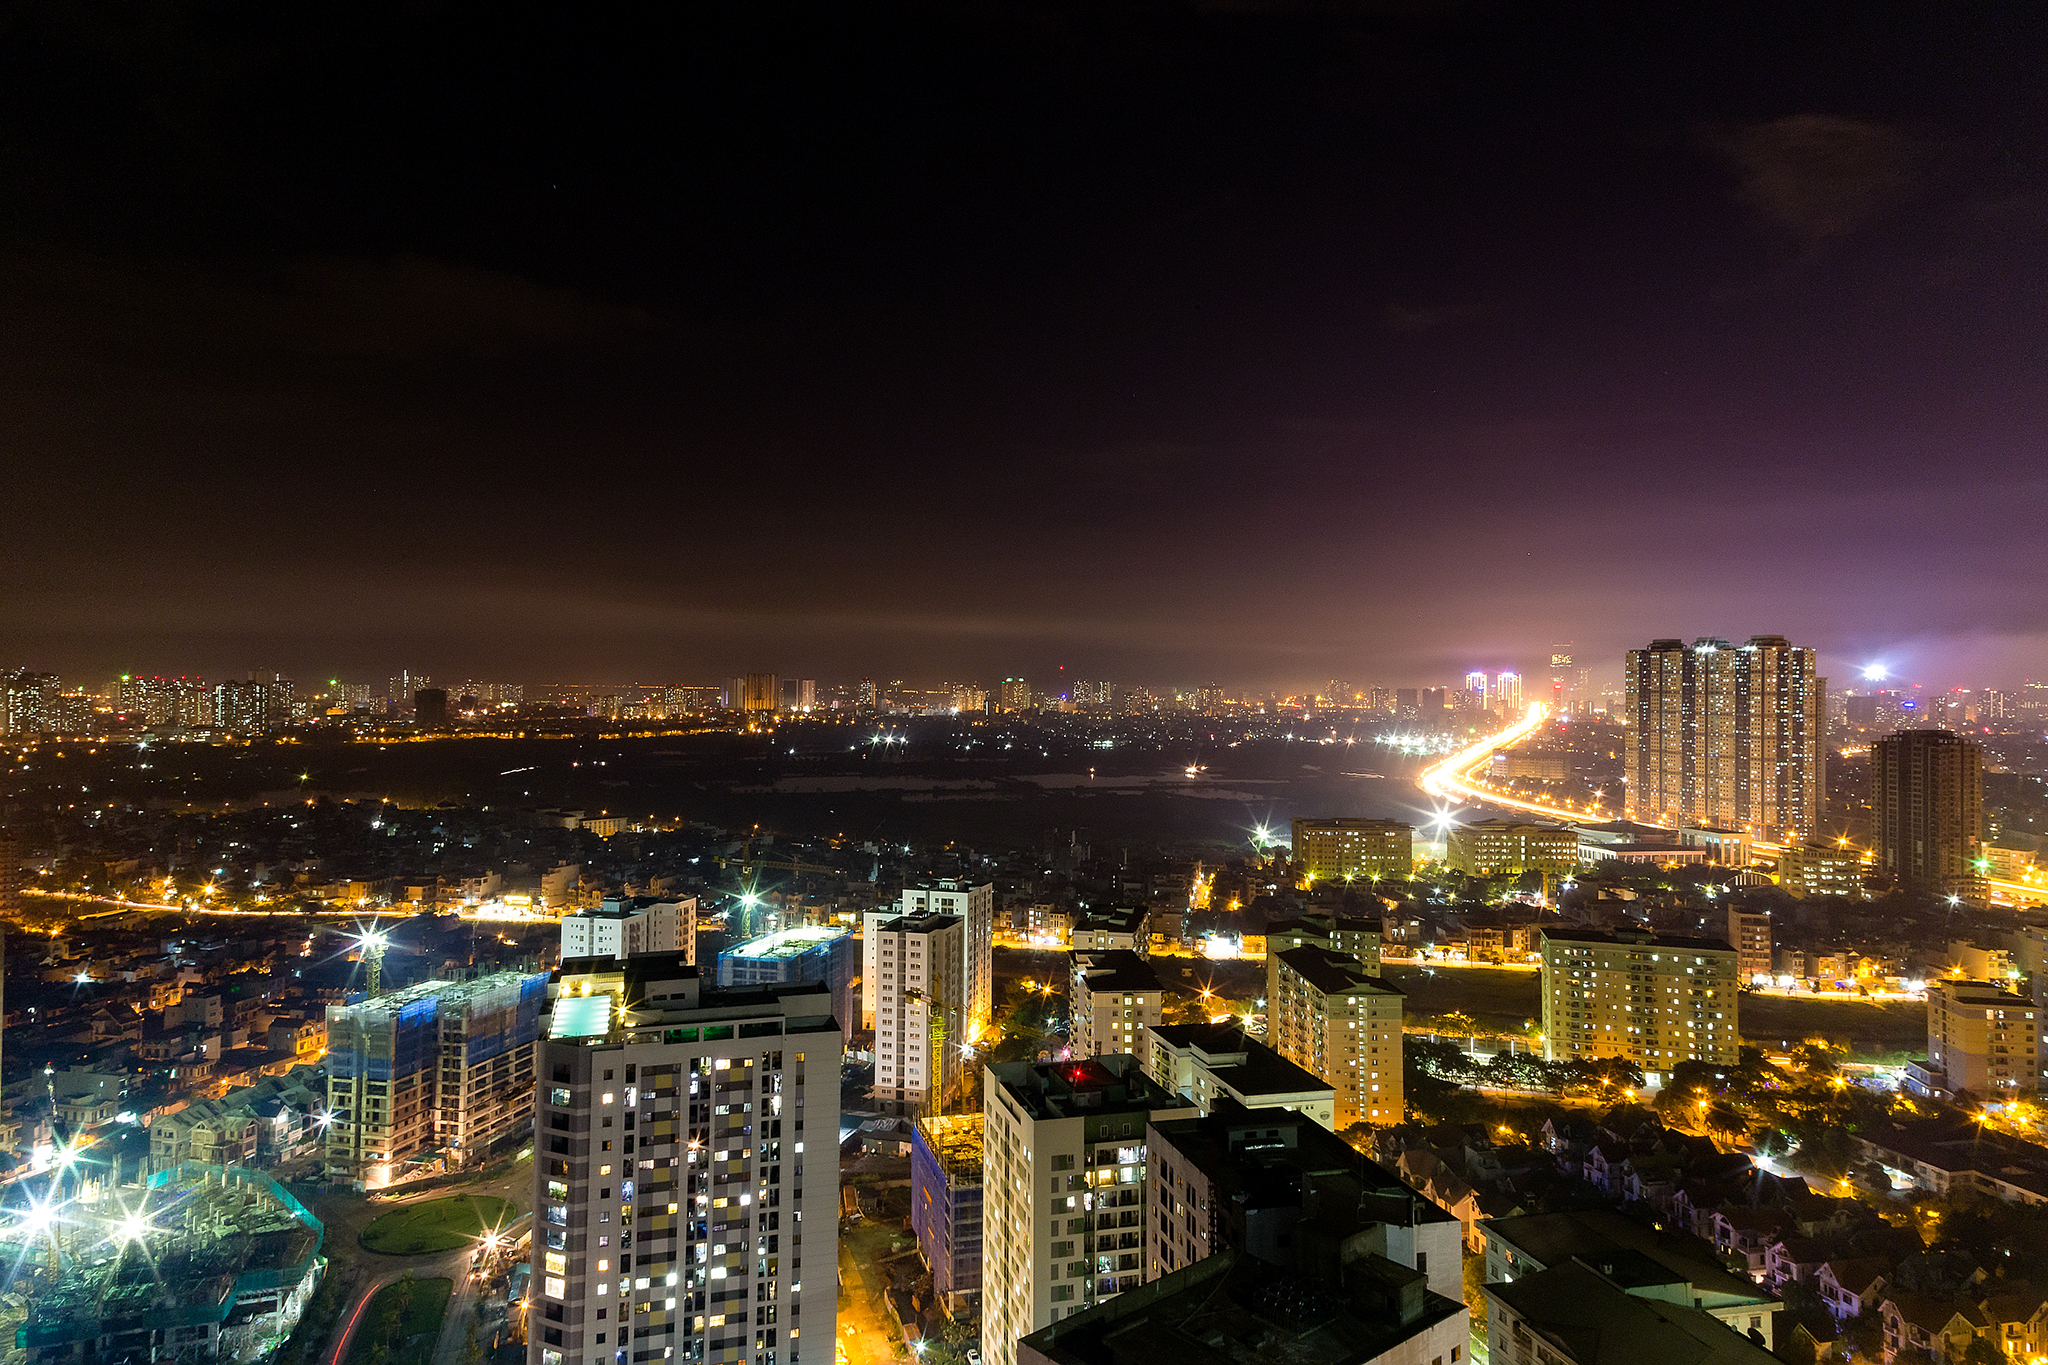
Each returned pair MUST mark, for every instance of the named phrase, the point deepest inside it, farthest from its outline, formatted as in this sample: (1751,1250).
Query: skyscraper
(1016,694)
(1726,735)
(1927,802)
(672,1217)
(1507,692)
(754,692)
(1475,683)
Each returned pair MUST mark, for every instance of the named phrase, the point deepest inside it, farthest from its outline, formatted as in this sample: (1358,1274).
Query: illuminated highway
(1452,779)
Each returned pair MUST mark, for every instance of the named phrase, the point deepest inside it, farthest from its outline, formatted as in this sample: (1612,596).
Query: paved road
(864,1324)
(346,1217)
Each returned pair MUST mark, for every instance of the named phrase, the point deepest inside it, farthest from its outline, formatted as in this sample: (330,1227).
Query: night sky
(1261,344)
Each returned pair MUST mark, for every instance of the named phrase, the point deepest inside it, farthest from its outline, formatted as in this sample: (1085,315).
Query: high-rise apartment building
(253,705)
(1749,931)
(754,692)
(919,1017)
(974,904)
(1016,694)
(1726,735)
(441,1066)
(1475,684)
(28,702)
(1983,1038)
(672,1216)
(1927,803)
(1327,1016)
(1340,848)
(1355,937)
(1064,1207)
(622,926)
(799,694)
(1112,999)
(1507,692)
(1655,999)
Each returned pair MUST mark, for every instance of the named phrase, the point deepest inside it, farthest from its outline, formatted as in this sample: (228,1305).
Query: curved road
(345,1220)
(1452,779)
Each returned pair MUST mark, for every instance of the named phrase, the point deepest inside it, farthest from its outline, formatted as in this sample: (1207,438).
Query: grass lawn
(1869,1030)
(419,1327)
(1500,999)
(436,1225)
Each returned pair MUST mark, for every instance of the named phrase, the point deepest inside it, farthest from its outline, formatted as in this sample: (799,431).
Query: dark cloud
(1819,176)
(1157,340)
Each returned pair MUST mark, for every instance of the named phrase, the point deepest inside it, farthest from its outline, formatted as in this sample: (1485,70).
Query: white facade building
(673,1219)
(624,926)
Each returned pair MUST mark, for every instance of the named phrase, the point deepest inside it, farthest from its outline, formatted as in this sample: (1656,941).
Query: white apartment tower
(624,926)
(975,907)
(673,1220)
(918,1018)
(1507,692)
(1063,1190)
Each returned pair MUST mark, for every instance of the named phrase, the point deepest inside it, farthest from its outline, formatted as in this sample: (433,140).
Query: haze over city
(1262,346)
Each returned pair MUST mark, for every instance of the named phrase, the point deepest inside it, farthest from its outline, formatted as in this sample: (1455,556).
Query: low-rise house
(1943,1328)
(1852,1287)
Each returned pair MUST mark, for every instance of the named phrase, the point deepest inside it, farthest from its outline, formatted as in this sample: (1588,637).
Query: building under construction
(945,1200)
(430,1077)
(210,1263)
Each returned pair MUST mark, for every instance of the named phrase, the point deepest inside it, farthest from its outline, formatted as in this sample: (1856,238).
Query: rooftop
(1635,938)
(446,992)
(1233,1309)
(1270,1158)
(957,1140)
(1601,1236)
(1598,1322)
(1335,973)
(786,943)
(1117,969)
(1115,1084)
(1114,919)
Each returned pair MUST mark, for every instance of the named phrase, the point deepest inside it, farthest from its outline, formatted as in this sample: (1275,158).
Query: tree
(1475,1296)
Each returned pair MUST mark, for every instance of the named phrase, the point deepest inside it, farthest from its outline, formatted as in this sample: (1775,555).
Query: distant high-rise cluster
(1927,803)
(1726,735)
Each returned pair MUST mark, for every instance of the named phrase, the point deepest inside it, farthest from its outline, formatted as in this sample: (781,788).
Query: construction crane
(372,945)
(936,1009)
(747,863)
